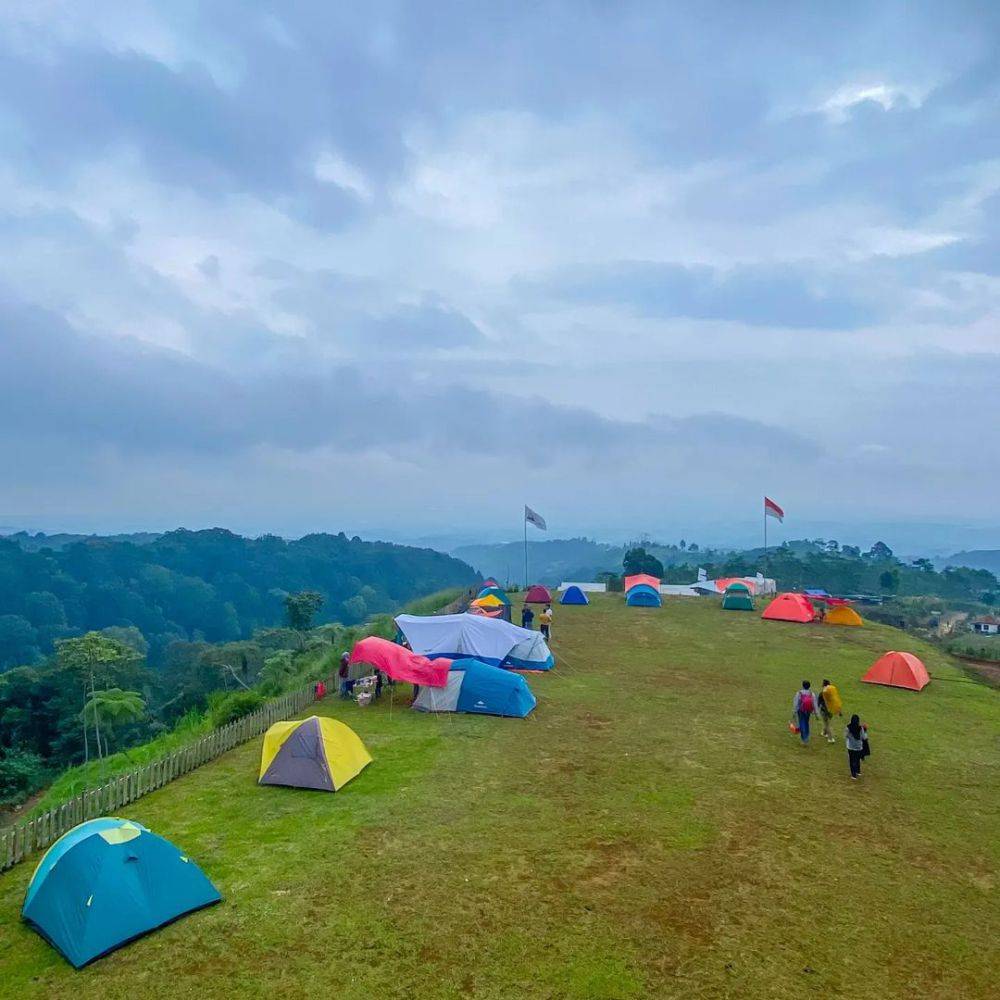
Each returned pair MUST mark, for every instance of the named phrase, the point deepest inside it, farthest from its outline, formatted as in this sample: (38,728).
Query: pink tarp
(650,581)
(400,664)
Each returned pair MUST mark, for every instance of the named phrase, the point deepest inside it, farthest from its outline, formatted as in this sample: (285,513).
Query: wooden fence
(18,842)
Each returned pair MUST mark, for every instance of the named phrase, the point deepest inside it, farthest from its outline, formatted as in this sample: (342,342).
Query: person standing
(829,706)
(545,623)
(527,617)
(342,671)
(803,708)
(856,739)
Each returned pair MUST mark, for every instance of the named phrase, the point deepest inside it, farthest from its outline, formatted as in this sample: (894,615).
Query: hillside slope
(651,830)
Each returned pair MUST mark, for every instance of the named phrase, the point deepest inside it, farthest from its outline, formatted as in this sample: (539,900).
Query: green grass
(652,830)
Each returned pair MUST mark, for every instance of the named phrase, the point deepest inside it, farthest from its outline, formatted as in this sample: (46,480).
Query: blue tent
(643,596)
(108,881)
(574,595)
(477,687)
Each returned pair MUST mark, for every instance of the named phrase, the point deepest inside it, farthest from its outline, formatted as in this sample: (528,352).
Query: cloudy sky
(399,268)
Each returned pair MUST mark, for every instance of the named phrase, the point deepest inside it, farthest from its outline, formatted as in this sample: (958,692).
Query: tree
(112,706)
(925,565)
(301,608)
(889,580)
(852,551)
(638,560)
(879,552)
(18,641)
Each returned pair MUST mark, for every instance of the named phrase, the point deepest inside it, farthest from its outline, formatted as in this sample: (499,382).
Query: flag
(533,518)
(702,574)
(771,509)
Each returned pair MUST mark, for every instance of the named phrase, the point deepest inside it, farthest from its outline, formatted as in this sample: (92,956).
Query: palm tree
(112,706)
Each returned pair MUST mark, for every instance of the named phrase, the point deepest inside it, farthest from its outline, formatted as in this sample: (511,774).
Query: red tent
(652,581)
(790,608)
(898,670)
(400,664)
(489,582)
(538,595)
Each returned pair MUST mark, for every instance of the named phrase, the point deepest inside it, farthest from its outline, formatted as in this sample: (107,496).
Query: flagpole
(765,537)
(526,551)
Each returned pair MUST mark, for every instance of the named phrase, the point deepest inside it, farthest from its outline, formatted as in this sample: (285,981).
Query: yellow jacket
(831,698)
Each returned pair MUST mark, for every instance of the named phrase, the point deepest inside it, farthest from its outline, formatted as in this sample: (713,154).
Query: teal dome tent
(107,882)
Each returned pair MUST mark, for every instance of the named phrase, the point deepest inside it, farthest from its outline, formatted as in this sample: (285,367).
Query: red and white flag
(771,509)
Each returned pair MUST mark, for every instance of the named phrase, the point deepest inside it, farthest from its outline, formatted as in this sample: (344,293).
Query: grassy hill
(651,830)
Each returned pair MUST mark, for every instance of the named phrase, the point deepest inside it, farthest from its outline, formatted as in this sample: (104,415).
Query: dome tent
(790,608)
(841,614)
(480,689)
(902,670)
(643,596)
(538,594)
(493,592)
(574,595)
(107,882)
(637,578)
(318,753)
(737,598)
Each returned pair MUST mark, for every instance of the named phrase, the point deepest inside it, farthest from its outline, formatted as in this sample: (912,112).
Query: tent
(643,597)
(490,582)
(315,753)
(816,593)
(737,598)
(538,595)
(790,608)
(724,583)
(651,581)
(107,882)
(493,592)
(490,640)
(841,614)
(398,663)
(574,595)
(901,670)
(490,601)
(479,688)
(486,612)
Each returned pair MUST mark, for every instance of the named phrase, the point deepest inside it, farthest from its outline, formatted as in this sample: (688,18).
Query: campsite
(650,829)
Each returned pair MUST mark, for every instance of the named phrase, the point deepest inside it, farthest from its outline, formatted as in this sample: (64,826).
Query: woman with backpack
(856,738)
(803,707)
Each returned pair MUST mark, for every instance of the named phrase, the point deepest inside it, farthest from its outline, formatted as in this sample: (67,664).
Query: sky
(398,268)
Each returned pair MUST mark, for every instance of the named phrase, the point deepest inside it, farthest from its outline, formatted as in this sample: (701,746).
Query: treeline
(198,586)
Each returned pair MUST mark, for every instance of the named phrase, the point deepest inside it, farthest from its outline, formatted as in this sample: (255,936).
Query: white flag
(533,518)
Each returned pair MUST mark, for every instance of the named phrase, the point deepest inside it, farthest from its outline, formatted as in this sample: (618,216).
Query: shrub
(234,706)
(21,774)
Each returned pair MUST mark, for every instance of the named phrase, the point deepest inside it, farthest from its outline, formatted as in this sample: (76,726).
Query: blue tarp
(108,881)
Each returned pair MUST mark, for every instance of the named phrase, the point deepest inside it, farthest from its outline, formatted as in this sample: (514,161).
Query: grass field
(652,830)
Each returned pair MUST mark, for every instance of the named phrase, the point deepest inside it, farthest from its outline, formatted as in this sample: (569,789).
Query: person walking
(527,617)
(342,671)
(545,623)
(803,708)
(856,739)
(829,706)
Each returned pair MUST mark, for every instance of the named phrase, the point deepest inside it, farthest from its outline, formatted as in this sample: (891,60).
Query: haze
(400,268)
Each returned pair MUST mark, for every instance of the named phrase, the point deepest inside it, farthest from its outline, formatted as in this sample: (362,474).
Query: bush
(21,774)
(234,706)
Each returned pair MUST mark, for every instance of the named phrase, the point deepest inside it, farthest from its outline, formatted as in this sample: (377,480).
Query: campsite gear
(574,595)
(841,614)
(490,640)
(318,753)
(793,728)
(365,690)
(830,697)
(493,592)
(107,882)
(538,595)
(902,670)
(641,578)
(481,689)
(806,702)
(790,608)
(398,663)
(737,598)
(490,601)
(643,596)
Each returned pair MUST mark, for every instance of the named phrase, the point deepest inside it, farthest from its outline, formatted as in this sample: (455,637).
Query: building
(987,625)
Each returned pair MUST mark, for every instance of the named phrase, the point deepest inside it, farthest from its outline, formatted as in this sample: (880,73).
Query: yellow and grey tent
(489,601)
(842,615)
(316,753)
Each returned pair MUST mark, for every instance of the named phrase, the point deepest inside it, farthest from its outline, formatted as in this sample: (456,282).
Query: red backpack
(806,703)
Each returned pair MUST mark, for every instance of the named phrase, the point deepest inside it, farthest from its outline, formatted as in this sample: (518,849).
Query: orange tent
(652,581)
(790,608)
(900,670)
(727,580)
(842,615)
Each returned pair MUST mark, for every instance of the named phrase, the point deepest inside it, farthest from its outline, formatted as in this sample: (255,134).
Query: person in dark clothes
(856,739)
(345,684)
(527,617)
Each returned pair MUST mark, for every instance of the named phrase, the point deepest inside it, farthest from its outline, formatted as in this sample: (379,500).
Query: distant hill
(40,540)
(988,559)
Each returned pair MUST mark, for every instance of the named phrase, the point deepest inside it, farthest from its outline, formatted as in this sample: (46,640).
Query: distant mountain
(988,559)
(38,541)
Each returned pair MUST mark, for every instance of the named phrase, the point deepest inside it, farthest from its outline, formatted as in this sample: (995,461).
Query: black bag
(865,749)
